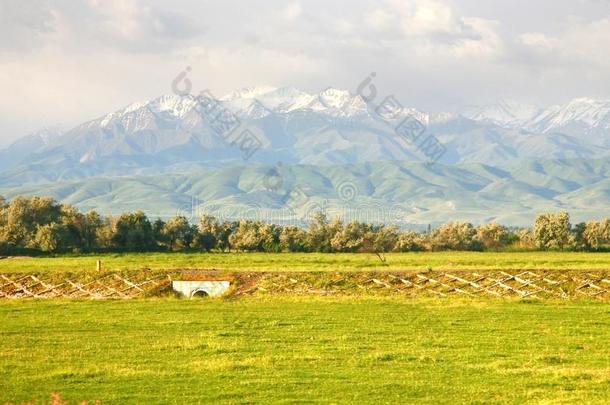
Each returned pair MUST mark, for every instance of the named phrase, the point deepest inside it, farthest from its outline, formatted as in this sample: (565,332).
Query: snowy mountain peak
(284,100)
(336,101)
(334,97)
(177,106)
(504,113)
(139,115)
(255,110)
(131,108)
(577,113)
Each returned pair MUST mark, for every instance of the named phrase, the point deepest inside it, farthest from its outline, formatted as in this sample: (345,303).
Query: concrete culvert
(199,294)
(196,288)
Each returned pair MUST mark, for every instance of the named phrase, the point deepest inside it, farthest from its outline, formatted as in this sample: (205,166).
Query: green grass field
(283,348)
(312,261)
(342,350)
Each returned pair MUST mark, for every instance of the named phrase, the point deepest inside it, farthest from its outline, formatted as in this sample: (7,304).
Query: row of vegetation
(42,224)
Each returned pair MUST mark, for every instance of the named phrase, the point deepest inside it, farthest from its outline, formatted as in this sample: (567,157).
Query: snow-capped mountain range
(331,127)
(495,155)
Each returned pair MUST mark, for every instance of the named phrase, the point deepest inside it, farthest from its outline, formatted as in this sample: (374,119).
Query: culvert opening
(201,288)
(200,294)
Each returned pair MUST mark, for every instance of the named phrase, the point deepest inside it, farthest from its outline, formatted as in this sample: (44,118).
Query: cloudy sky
(64,61)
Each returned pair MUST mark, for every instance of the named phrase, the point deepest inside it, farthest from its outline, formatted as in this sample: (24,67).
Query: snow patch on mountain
(580,111)
(504,113)
(334,102)
(48,135)
(141,115)
(338,102)
(282,100)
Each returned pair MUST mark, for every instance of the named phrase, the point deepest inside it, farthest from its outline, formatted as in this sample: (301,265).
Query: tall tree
(320,234)
(348,238)
(133,231)
(454,236)
(385,239)
(52,237)
(596,234)
(410,241)
(158,232)
(179,233)
(293,239)
(209,232)
(493,235)
(247,236)
(270,238)
(23,216)
(552,231)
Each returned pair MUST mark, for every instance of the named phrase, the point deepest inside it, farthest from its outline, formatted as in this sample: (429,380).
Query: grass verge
(311,261)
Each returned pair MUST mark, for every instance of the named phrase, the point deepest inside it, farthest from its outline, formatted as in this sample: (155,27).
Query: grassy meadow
(341,350)
(314,349)
(311,261)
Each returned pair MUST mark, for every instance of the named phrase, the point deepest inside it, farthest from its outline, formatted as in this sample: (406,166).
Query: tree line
(44,225)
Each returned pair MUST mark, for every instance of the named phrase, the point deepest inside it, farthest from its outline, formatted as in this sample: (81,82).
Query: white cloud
(64,62)
(484,43)
(434,28)
(127,19)
(582,42)
(426,17)
(537,40)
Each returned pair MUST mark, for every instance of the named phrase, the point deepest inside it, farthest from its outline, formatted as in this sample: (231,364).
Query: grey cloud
(130,25)
(23,25)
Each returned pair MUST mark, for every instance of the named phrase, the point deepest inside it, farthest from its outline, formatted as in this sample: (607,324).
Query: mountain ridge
(330,127)
(410,194)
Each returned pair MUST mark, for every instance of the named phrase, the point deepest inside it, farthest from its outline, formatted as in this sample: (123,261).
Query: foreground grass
(312,261)
(297,350)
